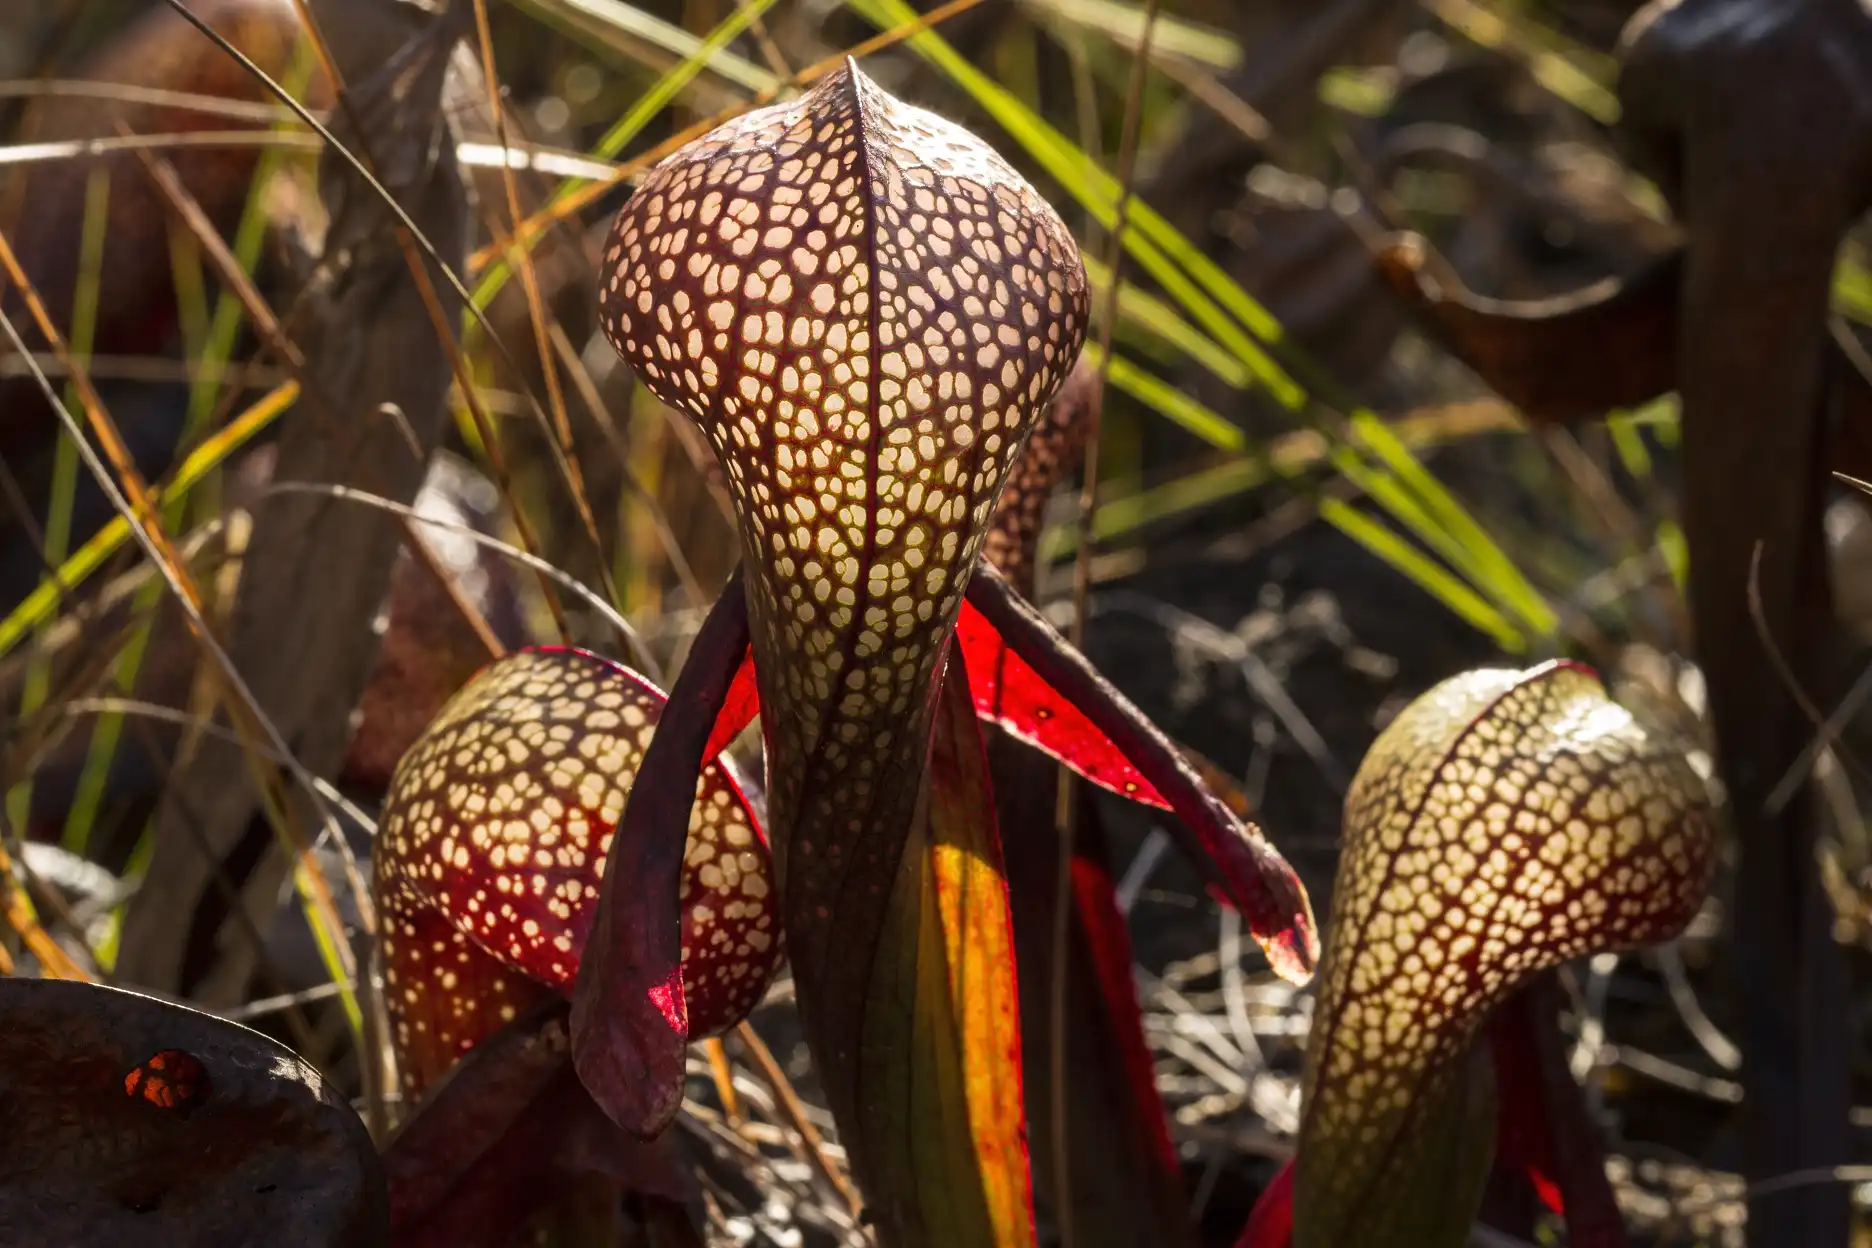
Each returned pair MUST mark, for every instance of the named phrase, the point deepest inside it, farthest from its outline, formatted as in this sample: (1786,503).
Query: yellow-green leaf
(944,1148)
(1504,823)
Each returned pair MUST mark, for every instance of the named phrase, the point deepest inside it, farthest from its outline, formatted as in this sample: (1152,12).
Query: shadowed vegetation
(1006,622)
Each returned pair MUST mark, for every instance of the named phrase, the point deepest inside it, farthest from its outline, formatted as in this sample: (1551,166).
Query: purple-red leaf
(469,1109)
(630,1021)
(505,1134)
(1251,874)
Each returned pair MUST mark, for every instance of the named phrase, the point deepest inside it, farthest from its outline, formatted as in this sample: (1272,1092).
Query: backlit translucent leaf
(1247,871)
(493,844)
(865,310)
(1504,823)
(942,1114)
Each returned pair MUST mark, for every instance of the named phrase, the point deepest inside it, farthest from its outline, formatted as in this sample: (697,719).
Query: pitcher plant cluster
(867,313)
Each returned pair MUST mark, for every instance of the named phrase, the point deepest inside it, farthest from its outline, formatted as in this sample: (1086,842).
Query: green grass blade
(1286,458)
(627,30)
(63,495)
(1630,446)
(1162,397)
(42,603)
(1154,317)
(708,52)
(1480,556)
(1852,289)
(1175,38)
(1408,560)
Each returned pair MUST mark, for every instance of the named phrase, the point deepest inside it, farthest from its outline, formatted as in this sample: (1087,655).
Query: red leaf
(738,709)
(1271,1223)
(629,1023)
(1544,1131)
(1253,875)
(1008,692)
(1122,1181)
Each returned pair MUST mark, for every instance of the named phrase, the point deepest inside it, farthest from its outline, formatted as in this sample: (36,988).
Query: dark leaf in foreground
(129,1120)
(501,1135)
(631,1019)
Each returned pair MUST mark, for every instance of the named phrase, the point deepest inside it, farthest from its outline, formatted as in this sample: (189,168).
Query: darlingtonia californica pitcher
(866,311)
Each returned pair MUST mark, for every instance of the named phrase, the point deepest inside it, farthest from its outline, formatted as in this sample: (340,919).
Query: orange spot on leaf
(170,1079)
